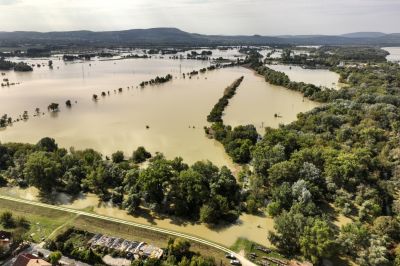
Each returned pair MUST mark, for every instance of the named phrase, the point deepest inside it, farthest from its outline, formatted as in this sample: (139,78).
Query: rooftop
(30,260)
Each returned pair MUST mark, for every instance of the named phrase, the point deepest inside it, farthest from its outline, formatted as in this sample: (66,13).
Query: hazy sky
(266,17)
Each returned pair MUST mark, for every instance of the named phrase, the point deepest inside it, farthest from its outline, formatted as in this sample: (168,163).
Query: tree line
(331,56)
(237,141)
(218,109)
(200,192)
(19,67)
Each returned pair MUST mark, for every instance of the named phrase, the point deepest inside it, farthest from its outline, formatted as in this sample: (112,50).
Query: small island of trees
(19,67)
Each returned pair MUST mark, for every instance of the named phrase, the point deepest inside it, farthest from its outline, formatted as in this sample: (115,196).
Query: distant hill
(177,37)
(364,35)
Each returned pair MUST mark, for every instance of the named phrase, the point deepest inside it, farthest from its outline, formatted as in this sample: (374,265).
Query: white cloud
(8,2)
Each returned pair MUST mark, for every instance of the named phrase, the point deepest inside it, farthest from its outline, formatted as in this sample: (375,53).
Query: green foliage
(369,210)
(117,157)
(387,226)
(375,254)
(157,80)
(178,248)
(308,90)
(288,230)
(238,142)
(53,107)
(3,181)
(331,56)
(166,186)
(179,253)
(216,113)
(8,65)
(22,67)
(173,187)
(343,153)
(140,155)
(73,243)
(42,171)
(47,145)
(317,241)
(5,120)
(54,257)
(7,219)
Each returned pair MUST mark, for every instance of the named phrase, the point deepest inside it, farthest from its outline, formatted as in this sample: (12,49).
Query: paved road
(243,260)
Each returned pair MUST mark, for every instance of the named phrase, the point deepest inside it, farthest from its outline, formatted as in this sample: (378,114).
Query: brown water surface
(175,112)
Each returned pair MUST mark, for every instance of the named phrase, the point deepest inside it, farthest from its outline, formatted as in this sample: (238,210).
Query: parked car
(230,256)
(235,262)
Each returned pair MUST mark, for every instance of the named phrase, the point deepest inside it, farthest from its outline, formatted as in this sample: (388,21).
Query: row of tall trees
(218,109)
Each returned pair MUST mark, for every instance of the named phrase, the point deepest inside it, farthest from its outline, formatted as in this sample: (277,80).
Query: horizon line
(219,34)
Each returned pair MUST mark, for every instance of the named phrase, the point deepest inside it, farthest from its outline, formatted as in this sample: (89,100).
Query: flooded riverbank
(253,227)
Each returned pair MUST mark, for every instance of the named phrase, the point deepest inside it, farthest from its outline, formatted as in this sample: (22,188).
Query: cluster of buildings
(135,248)
(22,259)
(30,260)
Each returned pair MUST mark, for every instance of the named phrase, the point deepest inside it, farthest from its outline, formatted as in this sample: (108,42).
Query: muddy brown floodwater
(175,111)
(318,77)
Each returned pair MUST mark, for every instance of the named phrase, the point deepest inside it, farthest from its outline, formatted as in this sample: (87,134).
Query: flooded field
(394,55)
(318,77)
(256,102)
(175,112)
(168,118)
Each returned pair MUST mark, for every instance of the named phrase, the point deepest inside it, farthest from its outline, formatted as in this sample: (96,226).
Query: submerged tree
(53,107)
(68,103)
